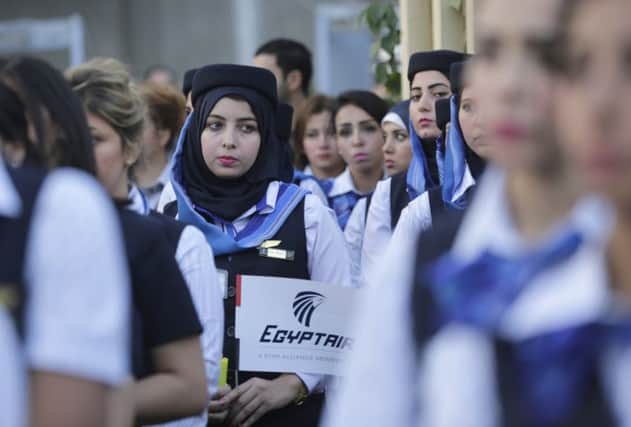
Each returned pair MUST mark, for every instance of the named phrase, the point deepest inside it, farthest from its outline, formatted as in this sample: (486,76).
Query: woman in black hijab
(229,177)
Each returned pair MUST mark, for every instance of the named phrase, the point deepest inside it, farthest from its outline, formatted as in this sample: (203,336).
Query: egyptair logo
(305,304)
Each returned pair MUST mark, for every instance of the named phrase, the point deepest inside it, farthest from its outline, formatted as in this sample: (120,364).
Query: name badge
(277,253)
(222,278)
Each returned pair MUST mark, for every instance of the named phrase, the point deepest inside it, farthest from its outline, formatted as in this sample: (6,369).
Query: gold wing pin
(268,244)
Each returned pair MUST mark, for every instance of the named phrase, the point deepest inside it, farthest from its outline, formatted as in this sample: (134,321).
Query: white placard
(291,325)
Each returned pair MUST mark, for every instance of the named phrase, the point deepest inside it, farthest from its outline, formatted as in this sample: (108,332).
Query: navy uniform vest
(437,241)
(250,262)
(173,229)
(14,233)
(163,310)
(399,197)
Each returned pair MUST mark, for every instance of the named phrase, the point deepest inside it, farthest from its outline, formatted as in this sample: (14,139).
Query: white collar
(468,181)
(165,176)
(307,170)
(488,224)
(10,202)
(138,201)
(343,184)
(271,196)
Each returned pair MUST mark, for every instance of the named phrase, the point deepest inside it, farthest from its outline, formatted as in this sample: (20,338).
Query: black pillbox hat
(437,60)
(187,84)
(213,76)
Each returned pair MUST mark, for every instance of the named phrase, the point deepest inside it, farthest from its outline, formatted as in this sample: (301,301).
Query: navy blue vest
(399,197)
(293,238)
(14,233)
(163,308)
(437,241)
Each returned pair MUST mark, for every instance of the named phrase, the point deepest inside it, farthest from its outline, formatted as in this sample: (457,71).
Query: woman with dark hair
(357,118)
(51,111)
(593,115)
(229,172)
(13,127)
(70,312)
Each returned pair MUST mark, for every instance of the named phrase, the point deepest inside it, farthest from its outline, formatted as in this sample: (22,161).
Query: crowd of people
(485,220)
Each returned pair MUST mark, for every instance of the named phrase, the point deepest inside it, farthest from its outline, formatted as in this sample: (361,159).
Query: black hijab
(229,198)
(284,119)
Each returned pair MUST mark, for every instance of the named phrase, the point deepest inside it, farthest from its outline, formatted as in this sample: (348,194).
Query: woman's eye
(440,95)
(467,108)
(214,126)
(369,128)
(626,62)
(247,128)
(312,134)
(345,133)
(416,98)
(400,136)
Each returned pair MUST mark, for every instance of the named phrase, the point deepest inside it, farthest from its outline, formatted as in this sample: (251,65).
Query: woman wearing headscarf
(466,152)
(464,309)
(230,178)
(428,74)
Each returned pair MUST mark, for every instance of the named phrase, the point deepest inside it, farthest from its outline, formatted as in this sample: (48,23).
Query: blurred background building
(188,33)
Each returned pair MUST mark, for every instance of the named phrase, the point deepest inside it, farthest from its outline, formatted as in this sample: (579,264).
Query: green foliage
(382,21)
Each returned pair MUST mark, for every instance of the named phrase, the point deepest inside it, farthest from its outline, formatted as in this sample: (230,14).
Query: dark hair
(43,89)
(313,105)
(13,127)
(290,55)
(160,67)
(165,106)
(376,107)
(567,11)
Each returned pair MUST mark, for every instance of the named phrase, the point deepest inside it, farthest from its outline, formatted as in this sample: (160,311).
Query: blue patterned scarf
(419,178)
(455,165)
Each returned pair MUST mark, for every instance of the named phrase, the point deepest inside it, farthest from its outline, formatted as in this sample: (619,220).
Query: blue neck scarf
(419,178)
(455,165)
(261,226)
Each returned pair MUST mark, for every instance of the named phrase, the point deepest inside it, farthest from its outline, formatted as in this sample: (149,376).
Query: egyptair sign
(291,325)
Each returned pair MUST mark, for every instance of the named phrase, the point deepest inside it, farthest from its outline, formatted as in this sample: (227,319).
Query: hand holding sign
(256,397)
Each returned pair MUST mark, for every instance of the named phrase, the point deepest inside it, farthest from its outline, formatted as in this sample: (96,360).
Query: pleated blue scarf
(419,178)
(455,165)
